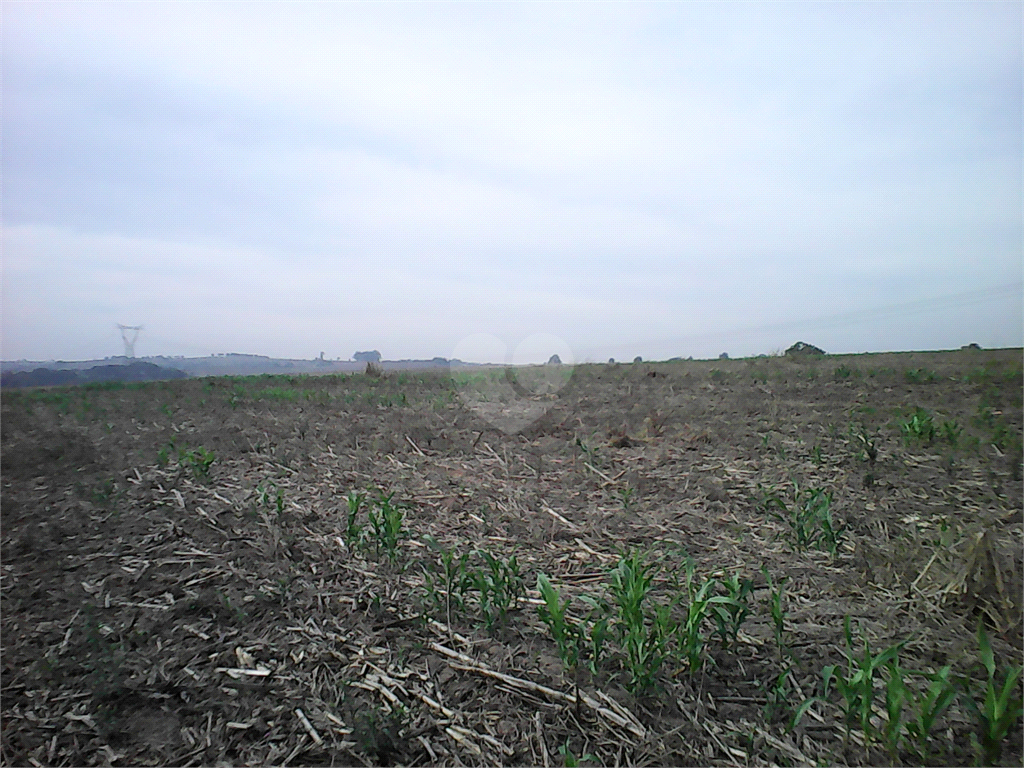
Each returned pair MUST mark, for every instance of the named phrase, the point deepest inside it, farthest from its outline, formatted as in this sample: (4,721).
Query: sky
(510,179)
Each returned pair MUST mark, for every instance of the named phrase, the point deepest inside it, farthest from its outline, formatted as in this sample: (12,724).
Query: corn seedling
(588,451)
(104,493)
(626,494)
(985,416)
(270,496)
(642,636)
(163,456)
(570,760)
(596,631)
(777,697)
(919,376)
(951,432)
(379,733)
(501,587)
(927,708)
(689,636)
(1001,435)
(816,456)
(897,697)
(566,632)
(1015,455)
(999,710)
(386,524)
(857,686)
(236,398)
(554,613)
(808,518)
(919,428)
(353,529)
(866,444)
(777,610)
(198,460)
(729,616)
(702,603)
(448,586)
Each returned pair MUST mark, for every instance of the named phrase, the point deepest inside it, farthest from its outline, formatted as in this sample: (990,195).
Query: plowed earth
(156,615)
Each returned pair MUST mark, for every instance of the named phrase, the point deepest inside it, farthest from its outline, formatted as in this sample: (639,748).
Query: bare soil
(154,614)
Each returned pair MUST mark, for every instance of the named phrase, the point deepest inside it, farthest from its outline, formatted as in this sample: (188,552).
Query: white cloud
(256,177)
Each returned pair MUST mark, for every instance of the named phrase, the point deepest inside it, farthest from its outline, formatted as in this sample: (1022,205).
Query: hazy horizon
(593,180)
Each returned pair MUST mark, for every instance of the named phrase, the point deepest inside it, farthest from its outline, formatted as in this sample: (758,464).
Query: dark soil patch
(156,613)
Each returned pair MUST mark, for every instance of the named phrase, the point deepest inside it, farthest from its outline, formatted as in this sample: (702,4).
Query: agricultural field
(789,561)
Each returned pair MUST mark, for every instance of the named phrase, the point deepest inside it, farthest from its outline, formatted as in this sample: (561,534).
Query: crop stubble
(156,614)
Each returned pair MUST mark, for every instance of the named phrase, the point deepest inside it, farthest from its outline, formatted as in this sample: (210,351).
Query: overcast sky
(654,179)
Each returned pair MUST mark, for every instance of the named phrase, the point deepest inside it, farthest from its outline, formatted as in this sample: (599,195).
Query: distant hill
(49,377)
(231,364)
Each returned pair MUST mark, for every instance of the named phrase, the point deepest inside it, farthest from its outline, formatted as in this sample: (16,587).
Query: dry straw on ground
(157,614)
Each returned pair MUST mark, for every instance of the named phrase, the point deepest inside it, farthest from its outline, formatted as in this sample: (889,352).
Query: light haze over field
(655,179)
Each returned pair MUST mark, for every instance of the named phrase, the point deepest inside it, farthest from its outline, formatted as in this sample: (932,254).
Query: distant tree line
(49,377)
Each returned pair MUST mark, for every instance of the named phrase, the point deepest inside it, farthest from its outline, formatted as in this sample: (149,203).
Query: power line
(874,314)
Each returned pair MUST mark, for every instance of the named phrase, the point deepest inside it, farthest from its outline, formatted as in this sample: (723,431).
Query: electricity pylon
(129,343)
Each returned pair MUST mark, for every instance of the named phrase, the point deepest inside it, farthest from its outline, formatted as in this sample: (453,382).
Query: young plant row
(475,582)
(455,584)
(907,724)
(632,628)
(380,529)
(196,461)
(807,515)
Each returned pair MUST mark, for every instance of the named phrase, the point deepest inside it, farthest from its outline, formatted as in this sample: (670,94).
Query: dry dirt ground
(181,584)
